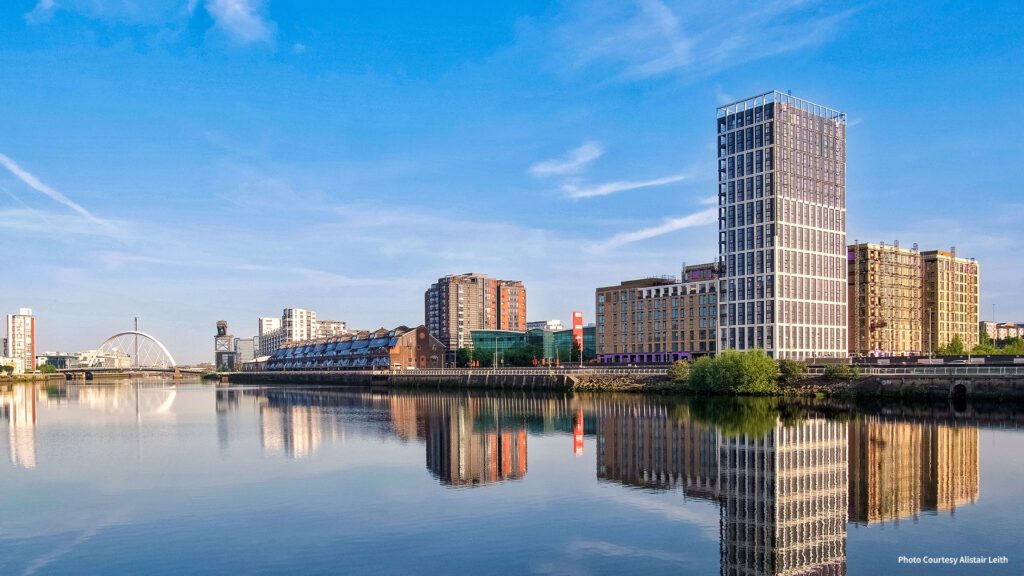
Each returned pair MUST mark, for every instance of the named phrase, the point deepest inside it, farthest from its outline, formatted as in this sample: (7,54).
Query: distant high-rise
(782,227)
(21,338)
(457,304)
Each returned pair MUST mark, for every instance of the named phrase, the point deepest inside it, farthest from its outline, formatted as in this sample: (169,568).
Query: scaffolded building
(885,300)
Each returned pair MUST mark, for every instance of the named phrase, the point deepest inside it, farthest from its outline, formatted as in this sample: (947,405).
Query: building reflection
(900,469)
(18,407)
(466,448)
(784,500)
(469,441)
(786,491)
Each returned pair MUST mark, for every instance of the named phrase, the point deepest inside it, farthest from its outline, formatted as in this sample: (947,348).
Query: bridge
(129,353)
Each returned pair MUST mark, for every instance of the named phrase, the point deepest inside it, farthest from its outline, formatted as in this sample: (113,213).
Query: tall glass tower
(782,227)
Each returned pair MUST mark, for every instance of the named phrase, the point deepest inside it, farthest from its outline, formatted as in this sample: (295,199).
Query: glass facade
(782,227)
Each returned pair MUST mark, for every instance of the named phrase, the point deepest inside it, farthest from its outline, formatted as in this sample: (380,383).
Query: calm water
(167,479)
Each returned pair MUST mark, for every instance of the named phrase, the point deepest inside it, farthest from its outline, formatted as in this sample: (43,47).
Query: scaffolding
(886,299)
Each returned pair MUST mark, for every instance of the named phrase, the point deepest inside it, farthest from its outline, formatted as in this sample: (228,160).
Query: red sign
(577,328)
(577,434)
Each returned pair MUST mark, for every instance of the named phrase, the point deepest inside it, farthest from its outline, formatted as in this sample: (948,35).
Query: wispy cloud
(655,37)
(42,12)
(702,218)
(34,183)
(242,20)
(573,161)
(576,190)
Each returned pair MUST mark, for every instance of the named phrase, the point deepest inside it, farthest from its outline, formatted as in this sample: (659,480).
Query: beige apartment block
(950,298)
(658,319)
(885,300)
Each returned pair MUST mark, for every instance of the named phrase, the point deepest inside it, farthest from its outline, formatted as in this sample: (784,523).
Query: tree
(679,371)
(791,372)
(522,355)
(954,348)
(463,357)
(839,372)
(48,369)
(1013,346)
(7,369)
(750,372)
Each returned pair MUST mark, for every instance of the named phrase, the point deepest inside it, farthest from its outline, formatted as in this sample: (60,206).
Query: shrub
(791,372)
(837,372)
(750,372)
(679,371)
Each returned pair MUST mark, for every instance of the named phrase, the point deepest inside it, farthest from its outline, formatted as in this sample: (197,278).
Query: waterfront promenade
(934,381)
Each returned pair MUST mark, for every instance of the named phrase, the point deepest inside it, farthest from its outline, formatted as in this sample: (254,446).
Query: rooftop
(784,98)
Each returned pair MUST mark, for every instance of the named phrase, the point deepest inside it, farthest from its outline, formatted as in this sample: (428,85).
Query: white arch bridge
(129,351)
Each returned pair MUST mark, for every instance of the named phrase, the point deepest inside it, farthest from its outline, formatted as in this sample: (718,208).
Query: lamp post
(930,350)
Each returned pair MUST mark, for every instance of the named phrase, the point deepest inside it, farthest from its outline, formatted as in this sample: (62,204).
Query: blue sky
(190,161)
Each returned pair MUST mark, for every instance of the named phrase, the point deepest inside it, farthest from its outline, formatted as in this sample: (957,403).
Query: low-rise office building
(1003,330)
(402,348)
(658,319)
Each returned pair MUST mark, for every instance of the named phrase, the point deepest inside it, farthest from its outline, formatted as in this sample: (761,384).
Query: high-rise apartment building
(298,324)
(950,298)
(885,301)
(21,338)
(658,319)
(295,325)
(457,304)
(782,227)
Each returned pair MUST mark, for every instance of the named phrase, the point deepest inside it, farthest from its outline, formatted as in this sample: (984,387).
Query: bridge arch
(144,350)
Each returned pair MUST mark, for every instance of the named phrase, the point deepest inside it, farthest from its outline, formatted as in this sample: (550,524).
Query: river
(157,478)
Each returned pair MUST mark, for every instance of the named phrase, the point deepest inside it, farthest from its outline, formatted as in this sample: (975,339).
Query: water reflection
(900,469)
(18,407)
(787,490)
(787,479)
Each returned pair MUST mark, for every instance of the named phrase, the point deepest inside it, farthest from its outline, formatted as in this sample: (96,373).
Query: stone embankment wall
(967,386)
(469,379)
(918,386)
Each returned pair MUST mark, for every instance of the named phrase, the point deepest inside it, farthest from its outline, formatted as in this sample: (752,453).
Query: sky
(188,161)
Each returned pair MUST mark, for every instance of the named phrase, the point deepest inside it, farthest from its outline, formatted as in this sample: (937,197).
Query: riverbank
(21,378)
(894,386)
(890,386)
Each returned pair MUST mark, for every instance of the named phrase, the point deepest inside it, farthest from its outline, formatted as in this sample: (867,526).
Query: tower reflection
(786,490)
(18,407)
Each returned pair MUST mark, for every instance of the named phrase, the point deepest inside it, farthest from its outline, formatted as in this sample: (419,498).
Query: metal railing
(933,370)
(528,371)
